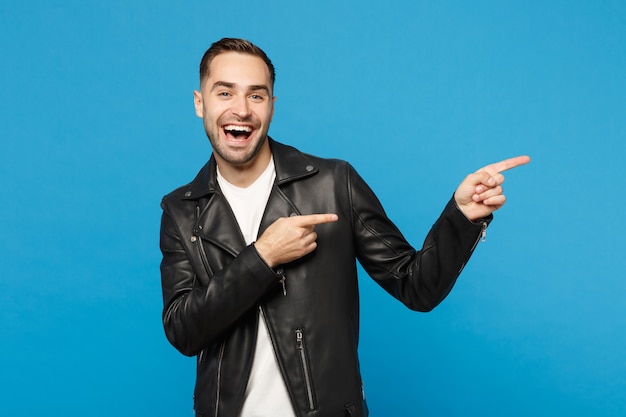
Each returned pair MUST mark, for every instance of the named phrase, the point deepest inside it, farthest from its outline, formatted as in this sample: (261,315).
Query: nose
(241,107)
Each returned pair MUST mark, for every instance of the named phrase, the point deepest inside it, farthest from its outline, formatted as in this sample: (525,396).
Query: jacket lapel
(215,221)
(278,205)
(291,165)
(217,225)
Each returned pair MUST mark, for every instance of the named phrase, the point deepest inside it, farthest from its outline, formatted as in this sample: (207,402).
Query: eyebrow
(226,84)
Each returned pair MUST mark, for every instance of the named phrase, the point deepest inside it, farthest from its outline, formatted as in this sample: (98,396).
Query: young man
(259,267)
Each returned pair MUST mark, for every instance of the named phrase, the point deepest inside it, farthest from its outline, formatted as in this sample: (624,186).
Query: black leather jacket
(214,285)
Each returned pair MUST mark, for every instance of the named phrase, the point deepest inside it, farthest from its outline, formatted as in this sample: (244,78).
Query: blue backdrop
(98,123)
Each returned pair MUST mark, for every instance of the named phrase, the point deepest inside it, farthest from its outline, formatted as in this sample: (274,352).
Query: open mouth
(237,132)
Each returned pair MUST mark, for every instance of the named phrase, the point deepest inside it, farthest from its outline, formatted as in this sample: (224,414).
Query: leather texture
(213,284)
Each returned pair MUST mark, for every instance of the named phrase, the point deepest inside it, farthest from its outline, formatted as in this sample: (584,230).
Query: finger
(485,195)
(488,180)
(483,180)
(506,164)
(313,219)
(495,201)
(310,238)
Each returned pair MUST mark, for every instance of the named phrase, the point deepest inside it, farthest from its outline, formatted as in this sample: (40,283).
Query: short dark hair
(234,45)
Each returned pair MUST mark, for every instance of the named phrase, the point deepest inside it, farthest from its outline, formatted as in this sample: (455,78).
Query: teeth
(238,128)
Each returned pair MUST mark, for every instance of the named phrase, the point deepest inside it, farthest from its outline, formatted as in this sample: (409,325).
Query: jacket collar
(290,164)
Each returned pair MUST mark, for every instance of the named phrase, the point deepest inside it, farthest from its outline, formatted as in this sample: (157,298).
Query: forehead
(238,68)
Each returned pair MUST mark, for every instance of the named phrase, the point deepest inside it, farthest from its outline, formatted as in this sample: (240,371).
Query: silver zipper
(282,280)
(203,257)
(198,241)
(482,237)
(219,378)
(305,368)
(205,261)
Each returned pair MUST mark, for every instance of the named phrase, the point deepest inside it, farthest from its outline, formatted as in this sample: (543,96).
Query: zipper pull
(282,280)
(299,338)
(483,233)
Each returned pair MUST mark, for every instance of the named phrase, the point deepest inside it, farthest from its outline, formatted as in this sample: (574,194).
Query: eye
(256,97)
(223,94)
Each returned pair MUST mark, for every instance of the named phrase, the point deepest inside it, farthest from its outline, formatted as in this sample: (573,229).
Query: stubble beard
(237,158)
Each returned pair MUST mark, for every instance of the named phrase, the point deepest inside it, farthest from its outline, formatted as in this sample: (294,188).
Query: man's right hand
(290,238)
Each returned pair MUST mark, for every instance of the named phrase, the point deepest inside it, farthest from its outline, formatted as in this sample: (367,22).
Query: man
(259,268)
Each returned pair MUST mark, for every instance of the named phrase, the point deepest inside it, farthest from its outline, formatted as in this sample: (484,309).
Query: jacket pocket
(306,369)
(198,241)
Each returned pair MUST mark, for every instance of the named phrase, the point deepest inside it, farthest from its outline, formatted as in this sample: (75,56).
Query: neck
(243,175)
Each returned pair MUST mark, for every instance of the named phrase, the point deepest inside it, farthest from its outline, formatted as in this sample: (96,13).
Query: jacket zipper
(219,378)
(301,348)
(205,261)
(482,236)
(282,280)
(196,239)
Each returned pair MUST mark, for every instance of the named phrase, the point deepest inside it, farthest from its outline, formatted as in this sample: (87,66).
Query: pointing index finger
(314,219)
(506,164)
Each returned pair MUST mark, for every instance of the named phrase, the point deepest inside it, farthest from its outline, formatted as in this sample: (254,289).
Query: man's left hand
(480,193)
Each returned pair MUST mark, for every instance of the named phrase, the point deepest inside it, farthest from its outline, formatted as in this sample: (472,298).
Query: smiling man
(236,104)
(259,270)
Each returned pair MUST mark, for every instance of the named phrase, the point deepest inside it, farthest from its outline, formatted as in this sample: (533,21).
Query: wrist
(263,254)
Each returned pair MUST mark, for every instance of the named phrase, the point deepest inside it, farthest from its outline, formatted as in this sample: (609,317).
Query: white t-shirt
(266,394)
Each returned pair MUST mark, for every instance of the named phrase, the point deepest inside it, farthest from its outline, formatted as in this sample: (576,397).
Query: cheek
(211,116)
(268,114)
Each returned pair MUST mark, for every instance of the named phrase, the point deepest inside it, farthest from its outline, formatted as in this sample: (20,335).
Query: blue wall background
(98,123)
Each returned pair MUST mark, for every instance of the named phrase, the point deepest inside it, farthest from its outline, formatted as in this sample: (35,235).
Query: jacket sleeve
(421,279)
(197,309)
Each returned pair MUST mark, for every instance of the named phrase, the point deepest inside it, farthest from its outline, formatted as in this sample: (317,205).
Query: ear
(198,103)
(272,113)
